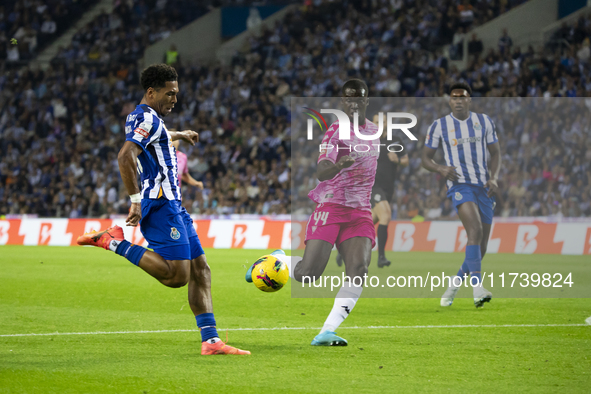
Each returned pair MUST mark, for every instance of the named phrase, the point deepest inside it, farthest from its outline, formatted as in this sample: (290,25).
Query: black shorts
(378,194)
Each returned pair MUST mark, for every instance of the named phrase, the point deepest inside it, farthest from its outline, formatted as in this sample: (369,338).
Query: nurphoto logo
(345,129)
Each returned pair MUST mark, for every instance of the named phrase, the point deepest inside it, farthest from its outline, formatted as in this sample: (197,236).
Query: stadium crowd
(61,128)
(33,24)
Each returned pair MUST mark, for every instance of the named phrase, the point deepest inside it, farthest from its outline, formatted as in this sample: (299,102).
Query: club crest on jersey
(174,233)
(477,127)
(458,196)
(314,228)
(377,197)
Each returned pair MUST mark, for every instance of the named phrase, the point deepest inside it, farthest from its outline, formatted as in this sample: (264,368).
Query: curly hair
(157,75)
(460,85)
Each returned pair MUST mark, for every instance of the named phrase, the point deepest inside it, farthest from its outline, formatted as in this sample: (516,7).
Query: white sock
(454,283)
(478,290)
(113,245)
(291,261)
(343,305)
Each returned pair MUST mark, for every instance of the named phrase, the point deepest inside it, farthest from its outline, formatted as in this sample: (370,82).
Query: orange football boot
(219,348)
(102,239)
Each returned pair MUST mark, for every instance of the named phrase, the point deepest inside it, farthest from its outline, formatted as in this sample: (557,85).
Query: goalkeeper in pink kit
(343,212)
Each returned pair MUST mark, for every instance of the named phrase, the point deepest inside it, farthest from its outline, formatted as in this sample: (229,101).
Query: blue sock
(130,251)
(474,262)
(206,323)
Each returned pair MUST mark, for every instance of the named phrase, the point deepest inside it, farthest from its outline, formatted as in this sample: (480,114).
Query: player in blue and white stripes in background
(466,137)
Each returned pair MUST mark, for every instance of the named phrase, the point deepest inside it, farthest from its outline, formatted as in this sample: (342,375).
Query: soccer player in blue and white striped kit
(177,257)
(466,137)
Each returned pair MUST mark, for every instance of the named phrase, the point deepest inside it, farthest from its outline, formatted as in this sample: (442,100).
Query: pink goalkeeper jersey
(351,187)
(181,160)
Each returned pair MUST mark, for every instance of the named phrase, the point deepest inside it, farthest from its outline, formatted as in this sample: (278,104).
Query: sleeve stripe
(431,140)
(432,130)
(492,138)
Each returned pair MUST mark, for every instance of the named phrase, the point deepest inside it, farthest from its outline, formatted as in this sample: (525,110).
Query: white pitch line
(588,320)
(299,328)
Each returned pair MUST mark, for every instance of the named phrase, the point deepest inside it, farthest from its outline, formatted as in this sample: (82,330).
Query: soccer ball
(269,273)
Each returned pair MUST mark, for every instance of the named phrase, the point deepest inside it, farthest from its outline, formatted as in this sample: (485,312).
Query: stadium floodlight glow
(345,124)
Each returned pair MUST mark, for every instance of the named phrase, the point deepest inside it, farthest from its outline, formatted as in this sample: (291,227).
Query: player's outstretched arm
(495,168)
(327,170)
(192,137)
(429,164)
(127,159)
(189,180)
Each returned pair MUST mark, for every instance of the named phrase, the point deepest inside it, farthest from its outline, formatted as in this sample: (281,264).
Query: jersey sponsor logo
(142,132)
(143,129)
(458,196)
(174,233)
(344,125)
(459,141)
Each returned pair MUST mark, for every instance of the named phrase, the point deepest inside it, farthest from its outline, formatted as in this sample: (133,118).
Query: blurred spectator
(35,24)
(456,51)
(254,18)
(505,43)
(475,48)
(172,57)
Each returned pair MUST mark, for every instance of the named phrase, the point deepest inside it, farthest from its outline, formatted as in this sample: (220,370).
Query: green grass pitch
(86,290)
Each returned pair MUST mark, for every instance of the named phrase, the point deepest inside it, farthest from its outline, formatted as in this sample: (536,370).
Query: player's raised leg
(171,273)
(312,264)
(357,255)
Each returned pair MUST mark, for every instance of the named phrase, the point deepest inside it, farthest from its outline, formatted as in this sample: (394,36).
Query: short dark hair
(460,85)
(356,84)
(157,75)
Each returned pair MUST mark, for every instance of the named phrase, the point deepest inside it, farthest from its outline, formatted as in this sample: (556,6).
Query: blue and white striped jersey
(464,145)
(157,163)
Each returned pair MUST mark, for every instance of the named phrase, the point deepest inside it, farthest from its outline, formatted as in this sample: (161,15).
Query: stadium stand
(35,24)
(61,128)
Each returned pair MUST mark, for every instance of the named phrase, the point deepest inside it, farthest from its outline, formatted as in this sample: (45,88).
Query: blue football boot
(328,338)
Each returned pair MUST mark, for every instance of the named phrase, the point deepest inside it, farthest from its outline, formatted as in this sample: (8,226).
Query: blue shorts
(464,192)
(168,228)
